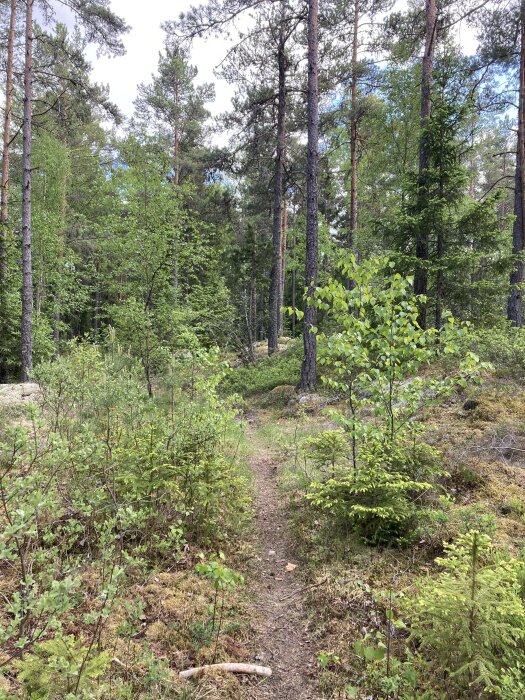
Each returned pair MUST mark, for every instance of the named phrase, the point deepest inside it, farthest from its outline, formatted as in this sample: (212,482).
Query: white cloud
(143,43)
(145,40)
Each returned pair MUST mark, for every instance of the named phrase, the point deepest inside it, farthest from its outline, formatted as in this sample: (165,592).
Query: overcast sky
(145,40)
(143,43)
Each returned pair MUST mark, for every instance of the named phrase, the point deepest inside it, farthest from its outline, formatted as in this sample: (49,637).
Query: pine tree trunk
(6,144)
(277,262)
(26,340)
(294,286)
(514,304)
(176,157)
(422,243)
(176,181)
(96,310)
(440,247)
(5,179)
(353,134)
(309,366)
(283,263)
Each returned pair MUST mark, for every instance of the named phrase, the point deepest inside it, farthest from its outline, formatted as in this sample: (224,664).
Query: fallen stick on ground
(232,668)
(302,590)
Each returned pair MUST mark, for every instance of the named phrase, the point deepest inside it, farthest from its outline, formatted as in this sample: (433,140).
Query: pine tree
(309,365)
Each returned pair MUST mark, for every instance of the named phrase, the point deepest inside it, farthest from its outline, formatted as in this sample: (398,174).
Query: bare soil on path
(283,639)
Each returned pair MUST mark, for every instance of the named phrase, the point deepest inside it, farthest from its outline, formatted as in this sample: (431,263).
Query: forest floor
(314,589)
(282,626)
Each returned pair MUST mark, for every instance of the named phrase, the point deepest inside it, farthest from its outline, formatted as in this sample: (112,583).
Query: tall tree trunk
(176,156)
(5,182)
(277,262)
(26,340)
(294,285)
(5,149)
(514,304)
(440,280)
(176,180)
(422,243)
(352,223)
(57,316)
(309,366)
(283,264)
(96,310)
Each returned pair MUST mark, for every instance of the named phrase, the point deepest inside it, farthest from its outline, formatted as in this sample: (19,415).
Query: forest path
(283,641)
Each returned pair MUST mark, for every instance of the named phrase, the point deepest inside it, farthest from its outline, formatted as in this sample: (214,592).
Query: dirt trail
(283,641)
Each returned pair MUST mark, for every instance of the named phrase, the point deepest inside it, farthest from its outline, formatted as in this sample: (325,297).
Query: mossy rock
(279,397)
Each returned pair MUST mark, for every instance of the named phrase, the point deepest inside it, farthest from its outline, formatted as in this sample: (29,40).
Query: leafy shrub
(470,621)
(159,469)
(374,357)
(222,579)
(503,346)
(103,479)
(266,374)
(62,667)
(376,350)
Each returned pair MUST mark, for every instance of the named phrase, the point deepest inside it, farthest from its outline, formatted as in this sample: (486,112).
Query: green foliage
(374,358)
(161,464)
(468,259)
(327,449)
(62,667)
(471,619)
(383,673)
(377,348)
(160,473)
(501,345)
(445,520)
(265,374)
(325,659)
(377,497)
(222,579)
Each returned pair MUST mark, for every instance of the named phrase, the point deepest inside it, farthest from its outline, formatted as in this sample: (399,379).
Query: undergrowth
(101,487)
(282,368)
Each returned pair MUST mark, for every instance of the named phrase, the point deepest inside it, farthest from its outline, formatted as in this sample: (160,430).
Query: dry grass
(483,448)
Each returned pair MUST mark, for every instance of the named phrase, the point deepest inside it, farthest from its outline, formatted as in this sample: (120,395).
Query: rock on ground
(18,394)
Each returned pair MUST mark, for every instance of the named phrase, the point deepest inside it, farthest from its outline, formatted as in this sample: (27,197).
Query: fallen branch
(302,590)
(118,662)
(232,668)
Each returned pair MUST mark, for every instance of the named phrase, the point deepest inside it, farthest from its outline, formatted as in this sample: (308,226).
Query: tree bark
(277,262)
(176,180)
(26,340)
(514,304)
(283,263)
(6,145)
(353,134)
(294,286)
(309,366)
(5,179)
(440,247)
(422,243)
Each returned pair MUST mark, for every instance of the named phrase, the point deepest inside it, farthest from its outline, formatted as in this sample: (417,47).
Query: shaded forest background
(151,232)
